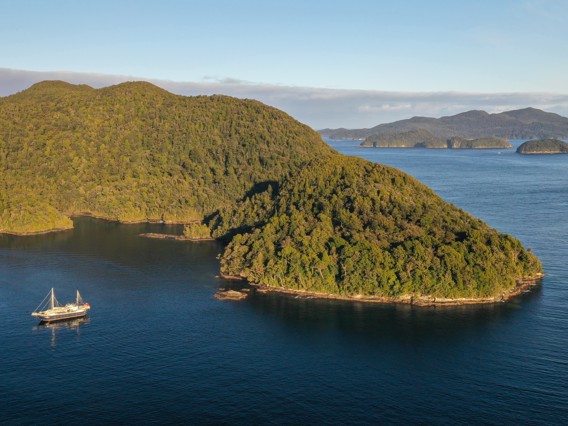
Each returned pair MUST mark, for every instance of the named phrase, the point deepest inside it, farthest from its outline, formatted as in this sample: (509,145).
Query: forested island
(543,146)
(424,139)
(294,214)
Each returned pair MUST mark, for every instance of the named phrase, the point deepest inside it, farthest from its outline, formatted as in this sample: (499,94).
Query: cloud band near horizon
(317,107)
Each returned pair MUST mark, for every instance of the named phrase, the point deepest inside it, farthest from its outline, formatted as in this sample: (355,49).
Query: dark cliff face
(525,123)
(543,146)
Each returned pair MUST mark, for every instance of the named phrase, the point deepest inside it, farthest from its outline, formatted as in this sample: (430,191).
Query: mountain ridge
(525,123)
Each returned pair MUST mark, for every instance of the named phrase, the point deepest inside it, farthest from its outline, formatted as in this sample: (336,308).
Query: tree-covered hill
(135,152)
(543,146)
(294,213)
(350,227)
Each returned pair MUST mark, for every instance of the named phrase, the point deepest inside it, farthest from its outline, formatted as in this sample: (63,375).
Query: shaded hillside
(134,152)
(350,227)
(424,139)
(528,123)
(543,146)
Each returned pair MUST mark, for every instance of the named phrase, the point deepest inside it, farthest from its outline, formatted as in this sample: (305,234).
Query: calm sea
(158,348)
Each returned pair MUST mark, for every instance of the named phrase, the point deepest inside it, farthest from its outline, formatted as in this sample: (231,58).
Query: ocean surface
(157,348)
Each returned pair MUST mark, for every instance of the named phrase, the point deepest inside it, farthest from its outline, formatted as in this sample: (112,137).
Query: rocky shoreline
(224,294)
(173,237)
(32,233)
(523,285)
(133,222)
(94,216)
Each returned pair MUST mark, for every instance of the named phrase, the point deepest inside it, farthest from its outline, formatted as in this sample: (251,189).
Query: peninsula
(294,214)
(543,146)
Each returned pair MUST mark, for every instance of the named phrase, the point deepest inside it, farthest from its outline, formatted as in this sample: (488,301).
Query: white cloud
(384,108)
(317,107)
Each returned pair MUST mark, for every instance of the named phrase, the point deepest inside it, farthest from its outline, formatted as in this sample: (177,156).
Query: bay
(158,348)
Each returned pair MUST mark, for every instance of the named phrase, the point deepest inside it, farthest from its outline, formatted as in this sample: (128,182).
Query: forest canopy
(350,227)
(134,152)
(294,213)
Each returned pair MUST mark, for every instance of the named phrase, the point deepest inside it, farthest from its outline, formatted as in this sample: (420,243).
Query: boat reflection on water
(73,325)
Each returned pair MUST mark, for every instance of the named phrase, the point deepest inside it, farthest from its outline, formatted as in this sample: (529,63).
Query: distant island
(527,123)
(295,215)
(424,139)
(543,146)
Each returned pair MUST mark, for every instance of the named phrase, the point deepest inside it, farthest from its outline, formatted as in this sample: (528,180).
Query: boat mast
(52,298)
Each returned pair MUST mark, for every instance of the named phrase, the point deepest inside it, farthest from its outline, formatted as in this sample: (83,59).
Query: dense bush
(347,226)
(134,152)
(294,213)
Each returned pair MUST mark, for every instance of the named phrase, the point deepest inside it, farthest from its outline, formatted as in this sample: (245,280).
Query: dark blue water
(158,348)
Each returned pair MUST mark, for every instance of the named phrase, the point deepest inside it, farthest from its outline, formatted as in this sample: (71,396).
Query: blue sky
(409,48)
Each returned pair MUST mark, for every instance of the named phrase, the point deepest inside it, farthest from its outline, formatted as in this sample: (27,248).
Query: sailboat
(51,310)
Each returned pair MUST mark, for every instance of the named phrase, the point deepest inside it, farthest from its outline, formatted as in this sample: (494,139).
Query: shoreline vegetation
(523,285)
(292,212)
(174,237)
(102,218)
(32,233)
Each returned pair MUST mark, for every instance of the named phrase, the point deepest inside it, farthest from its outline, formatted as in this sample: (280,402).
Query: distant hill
(424,139)
(527,123)
(543,146)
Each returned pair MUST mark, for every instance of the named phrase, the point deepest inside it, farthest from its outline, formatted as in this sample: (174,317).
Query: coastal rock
(230,295)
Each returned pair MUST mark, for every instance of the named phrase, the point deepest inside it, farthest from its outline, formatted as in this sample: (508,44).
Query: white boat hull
(47,316)
(56,312)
